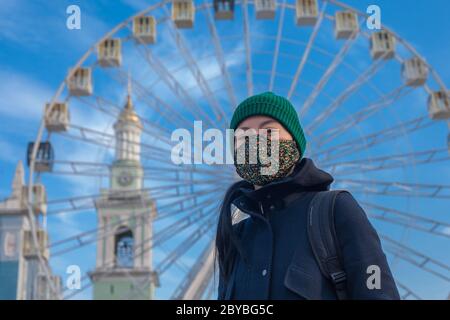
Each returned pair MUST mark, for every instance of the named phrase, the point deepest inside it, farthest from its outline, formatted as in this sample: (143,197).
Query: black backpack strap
(323,240)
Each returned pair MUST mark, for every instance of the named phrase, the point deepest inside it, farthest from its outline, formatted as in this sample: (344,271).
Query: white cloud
(22,97)
(67,225)
(35,26)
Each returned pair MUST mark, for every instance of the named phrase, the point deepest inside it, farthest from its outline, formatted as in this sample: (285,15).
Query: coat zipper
(261,207)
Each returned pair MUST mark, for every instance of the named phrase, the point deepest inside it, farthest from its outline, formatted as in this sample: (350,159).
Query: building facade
(22,276)
(125,213)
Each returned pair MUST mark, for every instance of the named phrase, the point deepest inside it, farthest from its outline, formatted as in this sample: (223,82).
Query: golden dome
(128,114)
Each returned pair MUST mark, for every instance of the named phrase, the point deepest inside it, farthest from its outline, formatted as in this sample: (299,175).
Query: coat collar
(305,177)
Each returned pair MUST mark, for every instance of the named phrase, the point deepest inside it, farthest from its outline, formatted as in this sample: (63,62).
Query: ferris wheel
(375,115)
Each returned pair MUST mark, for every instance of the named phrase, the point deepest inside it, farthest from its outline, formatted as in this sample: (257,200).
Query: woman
(255,255)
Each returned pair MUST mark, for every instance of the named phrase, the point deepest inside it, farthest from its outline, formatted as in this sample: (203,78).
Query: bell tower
(125,213)
(126,170)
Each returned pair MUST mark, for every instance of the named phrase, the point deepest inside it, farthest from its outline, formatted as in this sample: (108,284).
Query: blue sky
(37,50)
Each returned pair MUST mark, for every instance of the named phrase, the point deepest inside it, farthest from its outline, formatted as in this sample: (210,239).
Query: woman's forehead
(257,122)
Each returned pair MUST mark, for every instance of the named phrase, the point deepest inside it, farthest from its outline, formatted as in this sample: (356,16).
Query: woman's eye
(270,131)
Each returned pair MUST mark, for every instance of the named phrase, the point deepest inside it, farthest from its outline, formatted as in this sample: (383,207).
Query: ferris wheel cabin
(44,156)
(57,117)
(39,202)
(346,25)
(223,9)
(110,53)
(439,105)
(414,72)
(265,9)
(80,83)
(382,45)
(144,29)
(44,282)
(306,12)
(29,251)
(183,13)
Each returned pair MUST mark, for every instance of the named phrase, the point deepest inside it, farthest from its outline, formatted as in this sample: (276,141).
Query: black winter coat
(275,228)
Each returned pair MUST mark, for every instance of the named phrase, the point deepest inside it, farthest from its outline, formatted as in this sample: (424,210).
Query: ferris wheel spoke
(277,45)
(99,169)
(211,169)
(398,188)
(220,58)
(416,258)
(138,252)
(181,68)
(361,115)
(408,292)
(178,207)
(385,135)
(327,76)
(186,123)
(330,109)
(248,53)
(104,105)
(387,162)
(184,247)
(212,180)
(407,219)
(150,99)
(179,251)
(83,287)
(316,65)
(307,51)
(186,181)
(173,83)
(407,45)
(317,49)
(84,238)
(195,70)
(202,269)
(82,203)
(210,290)
(184,223)
(152,129)
(288,76)
(319,66)
(173,257)
(181,265)
(187,209)
(107,140)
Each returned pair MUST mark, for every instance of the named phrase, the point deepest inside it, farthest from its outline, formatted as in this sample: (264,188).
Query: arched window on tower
(123,247)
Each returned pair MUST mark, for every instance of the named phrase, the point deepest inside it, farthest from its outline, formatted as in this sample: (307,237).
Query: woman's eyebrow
(266,122)
(261,125)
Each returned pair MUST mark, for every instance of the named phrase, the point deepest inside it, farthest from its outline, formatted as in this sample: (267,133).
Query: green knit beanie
(274,106)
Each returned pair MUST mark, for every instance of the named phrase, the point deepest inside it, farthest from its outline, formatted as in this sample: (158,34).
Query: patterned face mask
(258,172)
